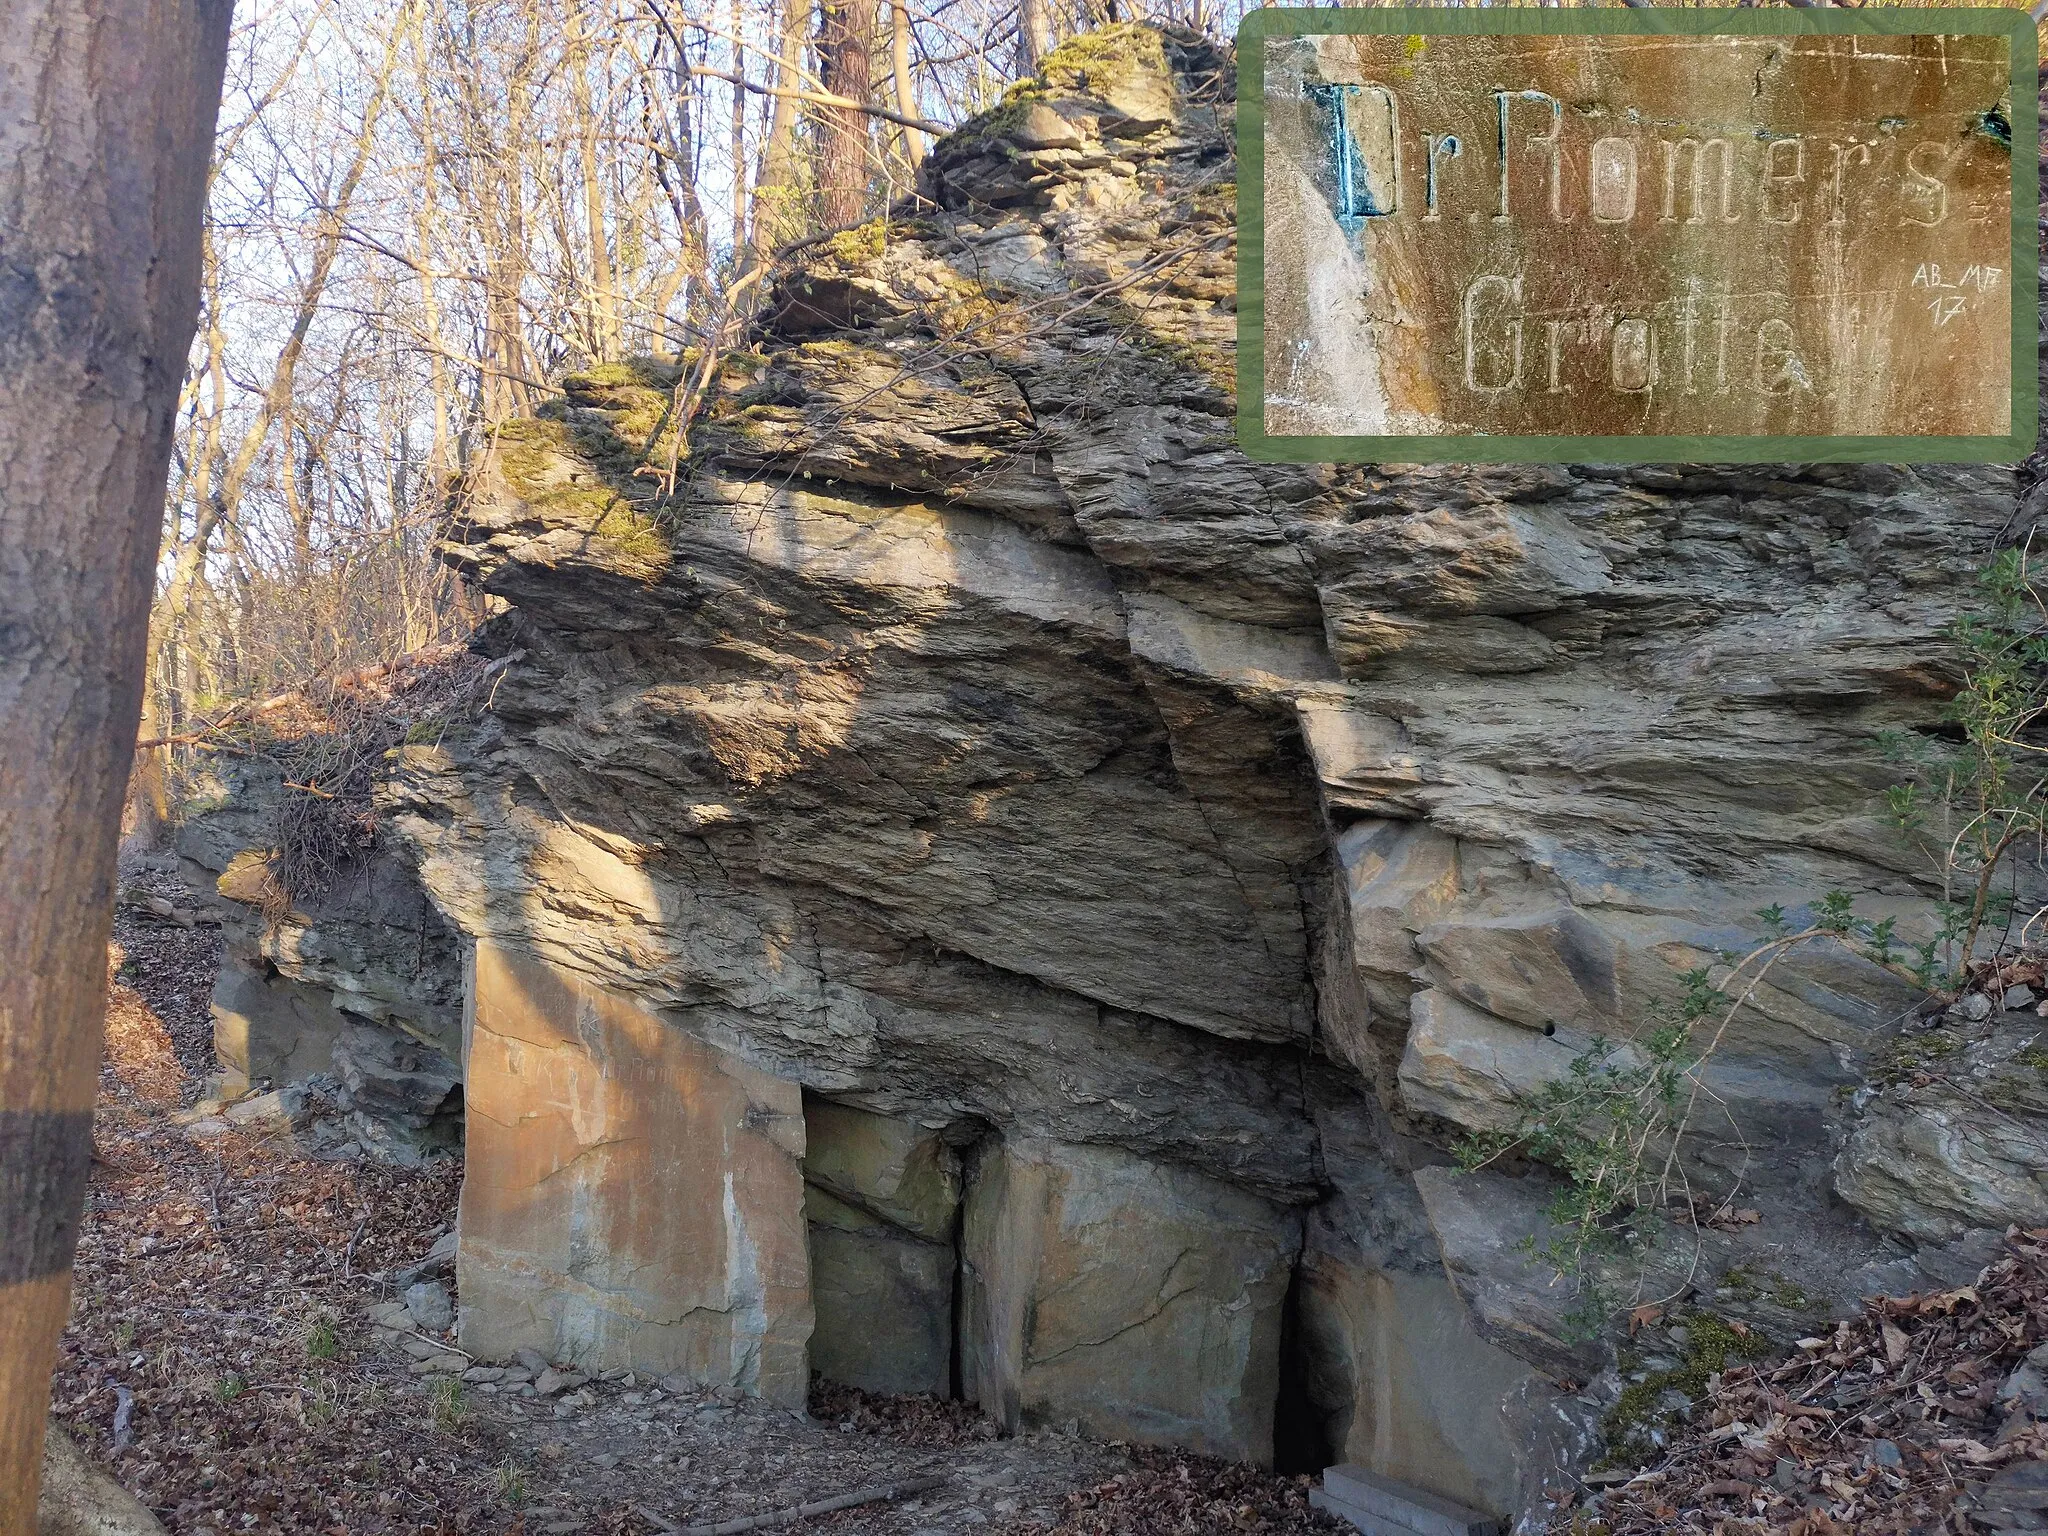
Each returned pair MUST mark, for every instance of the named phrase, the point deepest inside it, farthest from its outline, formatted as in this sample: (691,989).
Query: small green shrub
(322,1342)
(1617,1125)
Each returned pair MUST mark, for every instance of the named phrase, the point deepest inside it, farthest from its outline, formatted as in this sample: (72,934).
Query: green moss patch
(1647,1412)
(1103,59)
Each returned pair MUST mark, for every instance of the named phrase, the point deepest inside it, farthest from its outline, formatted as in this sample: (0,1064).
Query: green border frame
(1251,353)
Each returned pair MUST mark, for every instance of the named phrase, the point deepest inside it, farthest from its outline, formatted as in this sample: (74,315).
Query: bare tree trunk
(188,573)
(846,42)
(775,191)
(106,119)
(604,304)
(430,305)
(1034,35)
(899,59)
(149,806)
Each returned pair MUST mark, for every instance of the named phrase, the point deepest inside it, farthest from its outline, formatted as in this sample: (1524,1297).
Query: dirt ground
(222,1361)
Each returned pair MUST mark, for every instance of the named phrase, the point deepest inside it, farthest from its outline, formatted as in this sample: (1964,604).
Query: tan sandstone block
(633,1198)
(1140,1299)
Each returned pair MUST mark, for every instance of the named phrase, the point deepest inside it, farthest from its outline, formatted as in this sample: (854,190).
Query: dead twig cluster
(328,741)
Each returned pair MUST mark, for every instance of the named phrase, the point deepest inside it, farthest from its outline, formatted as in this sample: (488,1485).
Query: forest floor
(223,1363)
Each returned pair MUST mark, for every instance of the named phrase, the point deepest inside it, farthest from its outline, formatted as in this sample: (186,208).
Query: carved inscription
(1623,235)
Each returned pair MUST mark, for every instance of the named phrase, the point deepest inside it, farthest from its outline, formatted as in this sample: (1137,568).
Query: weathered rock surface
(78,1499)
(1192,848)
(1134,1297)
(1958,1139)
(633,1197)
(357,990)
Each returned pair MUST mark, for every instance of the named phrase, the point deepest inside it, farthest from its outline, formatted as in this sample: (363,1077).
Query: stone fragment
(438,1260)
(2023,1396)
(633,1198)
(1383,1506)
(279,1107)
(1039,127)
(1972,1008)
(2017,998)
(1138,1299)
(430,1305)
(2015,1499)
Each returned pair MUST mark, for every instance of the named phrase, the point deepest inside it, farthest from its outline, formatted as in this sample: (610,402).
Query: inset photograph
(1691,244)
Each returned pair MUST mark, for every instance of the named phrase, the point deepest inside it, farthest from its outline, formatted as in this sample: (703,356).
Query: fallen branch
(157,906)
(859,1496)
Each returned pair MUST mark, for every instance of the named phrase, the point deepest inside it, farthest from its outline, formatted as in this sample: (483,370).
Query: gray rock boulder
(430,1306)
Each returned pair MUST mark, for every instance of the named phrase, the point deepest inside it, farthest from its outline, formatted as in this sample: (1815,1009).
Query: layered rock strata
(356,990)
(1146,864)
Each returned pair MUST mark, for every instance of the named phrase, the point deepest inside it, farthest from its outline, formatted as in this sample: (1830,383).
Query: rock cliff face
(1139,864)
(356,992)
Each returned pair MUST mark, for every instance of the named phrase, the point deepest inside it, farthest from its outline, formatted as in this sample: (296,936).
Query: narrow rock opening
(1304,1438)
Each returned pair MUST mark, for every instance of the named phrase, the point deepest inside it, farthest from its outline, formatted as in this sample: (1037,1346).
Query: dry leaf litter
(242,1355)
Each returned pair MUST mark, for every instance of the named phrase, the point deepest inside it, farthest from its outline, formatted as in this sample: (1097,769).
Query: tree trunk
(106,118)
(775,189)
(1034,35)
(899,61)
(846,44)
(604,303)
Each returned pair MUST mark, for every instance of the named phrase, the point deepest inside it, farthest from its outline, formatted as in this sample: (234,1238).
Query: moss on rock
(1648,1409)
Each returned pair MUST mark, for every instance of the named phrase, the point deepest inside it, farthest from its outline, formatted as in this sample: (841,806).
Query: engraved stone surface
(1638,235)
(633,1198)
